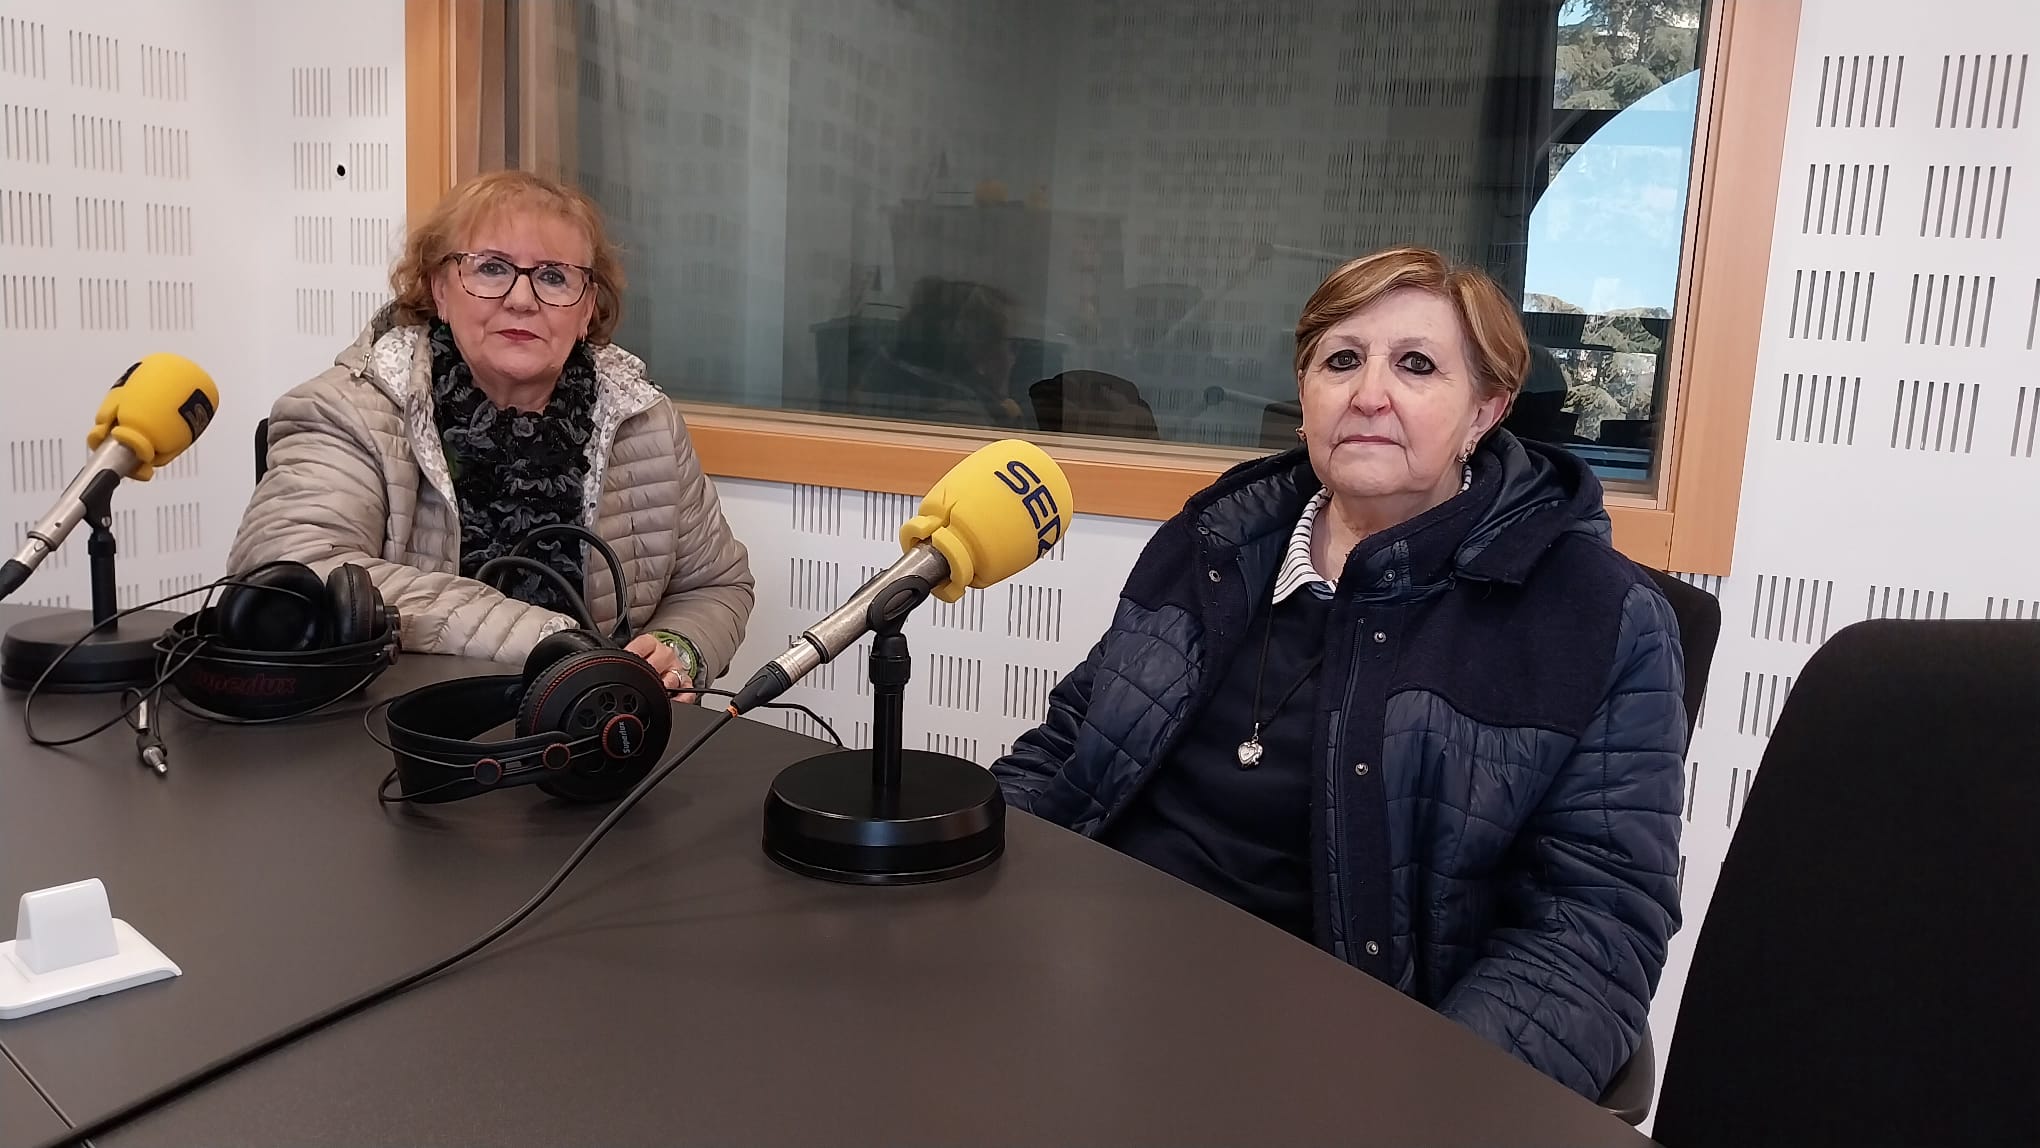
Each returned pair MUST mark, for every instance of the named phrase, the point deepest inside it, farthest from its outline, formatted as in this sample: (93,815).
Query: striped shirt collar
(1297,570)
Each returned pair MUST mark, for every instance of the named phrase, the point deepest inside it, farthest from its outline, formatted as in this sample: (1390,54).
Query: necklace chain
(1250,751)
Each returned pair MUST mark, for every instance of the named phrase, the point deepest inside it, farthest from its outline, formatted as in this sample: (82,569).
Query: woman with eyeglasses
(459,447)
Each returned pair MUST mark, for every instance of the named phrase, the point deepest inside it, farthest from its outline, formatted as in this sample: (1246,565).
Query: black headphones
(588,722)
(283,607)
(519,558)
(282,642)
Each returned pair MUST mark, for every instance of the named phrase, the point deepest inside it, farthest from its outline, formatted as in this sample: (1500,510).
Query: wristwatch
(690,658)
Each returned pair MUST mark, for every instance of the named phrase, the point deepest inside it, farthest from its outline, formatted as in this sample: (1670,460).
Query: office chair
(1699,616)
(1280,420)
(1537,412)
(261,449)
(1865,972)
(1539,415)
(1092,402)
(1633,433)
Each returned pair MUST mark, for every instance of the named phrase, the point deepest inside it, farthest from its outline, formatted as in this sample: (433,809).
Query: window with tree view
(1101,217)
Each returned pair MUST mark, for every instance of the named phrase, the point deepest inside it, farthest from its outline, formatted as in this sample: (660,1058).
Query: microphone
(889,815)
(152,414)
(989,518)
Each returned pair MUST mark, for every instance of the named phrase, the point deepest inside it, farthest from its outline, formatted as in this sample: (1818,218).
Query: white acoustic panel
(983,665)
(24,133)
(24,48)
(160,190)
(166,74)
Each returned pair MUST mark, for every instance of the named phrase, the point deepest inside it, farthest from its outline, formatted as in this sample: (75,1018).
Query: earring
(1299,434)
(1466,452)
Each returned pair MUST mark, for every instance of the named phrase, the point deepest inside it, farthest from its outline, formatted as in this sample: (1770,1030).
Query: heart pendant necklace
(1249,751)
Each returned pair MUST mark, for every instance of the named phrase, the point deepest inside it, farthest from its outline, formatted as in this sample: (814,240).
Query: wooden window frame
(455,95)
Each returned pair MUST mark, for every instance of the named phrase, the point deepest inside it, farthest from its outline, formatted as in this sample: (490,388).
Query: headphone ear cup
(554,648)
(277,607)
(357,605)
(611,717)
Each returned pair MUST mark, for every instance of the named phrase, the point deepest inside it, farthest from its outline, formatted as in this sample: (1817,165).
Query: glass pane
(1606,233)
(1102,216)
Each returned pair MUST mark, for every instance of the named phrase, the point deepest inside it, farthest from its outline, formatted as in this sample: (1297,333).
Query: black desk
(25,1117)
(681,988)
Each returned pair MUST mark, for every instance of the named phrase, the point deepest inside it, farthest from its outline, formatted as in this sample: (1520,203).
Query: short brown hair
(483,197)
(1501,350)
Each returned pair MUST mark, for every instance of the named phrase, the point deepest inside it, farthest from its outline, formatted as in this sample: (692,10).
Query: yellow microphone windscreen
(156,410)
(992,515)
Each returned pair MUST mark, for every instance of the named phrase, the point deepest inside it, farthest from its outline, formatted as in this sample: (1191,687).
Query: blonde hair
(485,197)
(1501,350)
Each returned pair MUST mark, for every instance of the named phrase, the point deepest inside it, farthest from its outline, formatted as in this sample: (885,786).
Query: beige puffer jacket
(356,474)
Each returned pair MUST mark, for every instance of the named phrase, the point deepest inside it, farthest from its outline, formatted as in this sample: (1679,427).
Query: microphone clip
(888,611)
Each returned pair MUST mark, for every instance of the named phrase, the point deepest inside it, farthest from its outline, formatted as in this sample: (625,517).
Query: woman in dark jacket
(1396,693)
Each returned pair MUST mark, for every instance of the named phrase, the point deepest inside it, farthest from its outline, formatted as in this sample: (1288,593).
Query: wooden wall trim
(546,134)
(1105,477)
(901,460)
(428,114)
(1738,195)
(454,57)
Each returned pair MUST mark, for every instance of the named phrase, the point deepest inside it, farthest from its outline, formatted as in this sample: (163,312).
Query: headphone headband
(183,638)
(587,727)
(235,683)
(435,733)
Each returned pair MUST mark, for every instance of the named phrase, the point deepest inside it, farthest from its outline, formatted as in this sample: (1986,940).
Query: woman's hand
(664,662)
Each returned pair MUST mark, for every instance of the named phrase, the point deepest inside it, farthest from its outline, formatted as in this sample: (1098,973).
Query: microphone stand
(886,815)
(105,658)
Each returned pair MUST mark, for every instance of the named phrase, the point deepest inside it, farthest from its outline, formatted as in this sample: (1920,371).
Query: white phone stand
(68,947)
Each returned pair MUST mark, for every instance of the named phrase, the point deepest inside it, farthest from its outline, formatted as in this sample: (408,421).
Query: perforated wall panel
(983,665)
(182,177)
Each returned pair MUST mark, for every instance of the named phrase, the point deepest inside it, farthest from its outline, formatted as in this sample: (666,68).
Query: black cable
(128,715)
(812,715)
(619,633)
(163,675)
(534,566)
(192,1081)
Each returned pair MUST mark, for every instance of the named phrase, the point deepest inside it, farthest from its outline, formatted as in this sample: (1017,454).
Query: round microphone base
(825,819)
(114,657)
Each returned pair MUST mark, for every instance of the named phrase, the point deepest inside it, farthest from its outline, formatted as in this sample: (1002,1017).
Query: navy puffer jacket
(1513,863)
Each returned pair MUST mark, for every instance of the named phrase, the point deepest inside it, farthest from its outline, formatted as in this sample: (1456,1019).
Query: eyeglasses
(488,276)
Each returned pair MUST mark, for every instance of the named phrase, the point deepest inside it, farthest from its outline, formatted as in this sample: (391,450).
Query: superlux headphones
(587,722)
(282,642)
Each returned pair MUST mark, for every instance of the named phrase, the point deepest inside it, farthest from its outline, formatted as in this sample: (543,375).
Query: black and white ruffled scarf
(513,469)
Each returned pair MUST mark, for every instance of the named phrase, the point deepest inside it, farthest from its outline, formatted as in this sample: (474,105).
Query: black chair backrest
(1092,402)
(1279,423)
(261,449)
(1699,616)
(1865,972)
(1626,432)
(1539,415)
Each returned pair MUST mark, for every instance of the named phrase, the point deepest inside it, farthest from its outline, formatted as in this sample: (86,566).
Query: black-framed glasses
(488,276)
